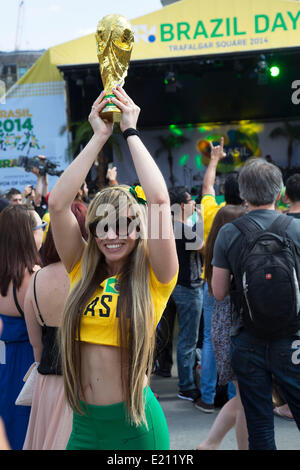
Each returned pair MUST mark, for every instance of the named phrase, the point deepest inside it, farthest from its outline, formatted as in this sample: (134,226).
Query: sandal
(278,413)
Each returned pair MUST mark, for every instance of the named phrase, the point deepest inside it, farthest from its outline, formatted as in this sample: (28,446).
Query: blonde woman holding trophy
(121,280)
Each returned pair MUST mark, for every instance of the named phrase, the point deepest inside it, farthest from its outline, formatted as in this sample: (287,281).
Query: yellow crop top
(99,322)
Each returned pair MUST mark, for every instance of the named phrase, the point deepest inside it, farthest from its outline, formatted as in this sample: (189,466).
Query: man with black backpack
(257,260)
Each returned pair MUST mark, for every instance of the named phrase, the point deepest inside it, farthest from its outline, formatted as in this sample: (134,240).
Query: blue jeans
(189,308)
(209,372)
(231,391)
(254,361)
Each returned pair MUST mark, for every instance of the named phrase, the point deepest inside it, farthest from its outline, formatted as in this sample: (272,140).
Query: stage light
(274,71)
(183,159)
(262,70)
(170,78)
(175,130)
(198,160)
(262,65)
(171,83)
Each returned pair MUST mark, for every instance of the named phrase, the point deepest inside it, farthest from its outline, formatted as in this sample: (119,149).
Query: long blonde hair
(136,325)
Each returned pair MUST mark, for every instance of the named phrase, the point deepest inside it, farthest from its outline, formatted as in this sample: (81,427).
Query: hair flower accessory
(138,193)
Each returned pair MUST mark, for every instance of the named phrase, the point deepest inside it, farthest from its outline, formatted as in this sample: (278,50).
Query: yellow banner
(188,28)
(201,27)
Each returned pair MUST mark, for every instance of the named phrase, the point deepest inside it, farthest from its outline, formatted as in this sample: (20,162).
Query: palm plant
(168,144)
(289,132)
(82,132)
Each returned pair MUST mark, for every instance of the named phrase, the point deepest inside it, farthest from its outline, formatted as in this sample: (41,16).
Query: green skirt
(107,428)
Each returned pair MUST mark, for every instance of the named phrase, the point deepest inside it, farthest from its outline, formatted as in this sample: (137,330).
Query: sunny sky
(47,23)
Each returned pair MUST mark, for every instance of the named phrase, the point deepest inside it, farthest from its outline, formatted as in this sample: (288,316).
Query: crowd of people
(90,290)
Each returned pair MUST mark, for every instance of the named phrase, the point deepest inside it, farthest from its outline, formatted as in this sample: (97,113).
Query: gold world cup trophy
(114,39)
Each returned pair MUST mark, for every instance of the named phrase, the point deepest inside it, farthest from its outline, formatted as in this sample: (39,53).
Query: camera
(44,166)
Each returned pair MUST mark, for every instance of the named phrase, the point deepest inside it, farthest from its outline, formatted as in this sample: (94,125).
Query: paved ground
(189,426)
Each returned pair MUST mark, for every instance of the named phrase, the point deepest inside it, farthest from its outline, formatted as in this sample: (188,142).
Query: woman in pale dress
(50,421)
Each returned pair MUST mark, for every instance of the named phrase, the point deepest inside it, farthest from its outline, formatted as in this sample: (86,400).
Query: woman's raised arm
(161,242)
(66,232)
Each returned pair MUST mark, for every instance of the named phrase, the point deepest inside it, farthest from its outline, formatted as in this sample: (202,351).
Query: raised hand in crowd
(111,175)
(217,154)
(217,151)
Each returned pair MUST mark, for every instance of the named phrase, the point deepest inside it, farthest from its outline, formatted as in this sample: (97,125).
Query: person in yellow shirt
(209,205)
(121,280)
(46,218)
(209,209)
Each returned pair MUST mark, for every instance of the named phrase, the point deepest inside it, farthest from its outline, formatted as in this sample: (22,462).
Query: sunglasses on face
(123,226)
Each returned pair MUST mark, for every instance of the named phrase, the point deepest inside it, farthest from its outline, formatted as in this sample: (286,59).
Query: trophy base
(111,116)
(111,112)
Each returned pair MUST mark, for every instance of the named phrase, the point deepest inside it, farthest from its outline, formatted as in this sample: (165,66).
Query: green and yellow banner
(187,28)
(201,27)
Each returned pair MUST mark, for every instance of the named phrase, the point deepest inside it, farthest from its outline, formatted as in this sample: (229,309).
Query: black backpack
(265,286)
